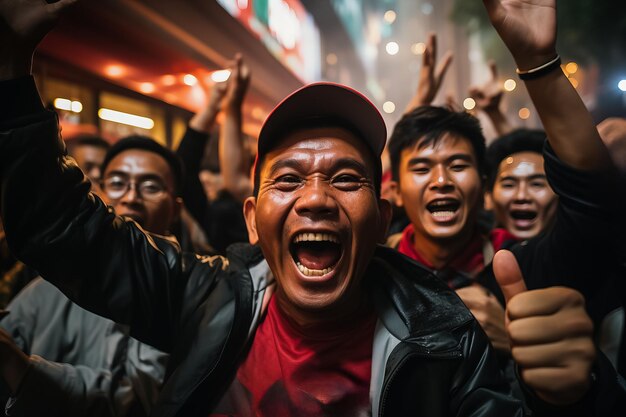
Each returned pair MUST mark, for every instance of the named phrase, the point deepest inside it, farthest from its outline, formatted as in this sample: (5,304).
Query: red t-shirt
(324,372)
(470,262)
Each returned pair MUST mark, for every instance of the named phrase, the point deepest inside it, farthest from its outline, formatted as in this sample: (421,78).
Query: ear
(488,201)
(386,212)
(249,212)
(178,208)
(394,190)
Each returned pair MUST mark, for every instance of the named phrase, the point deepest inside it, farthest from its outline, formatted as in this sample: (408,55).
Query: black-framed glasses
(117,186)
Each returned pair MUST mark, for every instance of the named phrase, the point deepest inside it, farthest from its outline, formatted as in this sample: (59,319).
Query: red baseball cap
(329,104)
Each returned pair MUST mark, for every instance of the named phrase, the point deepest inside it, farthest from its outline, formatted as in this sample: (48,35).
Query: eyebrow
(421,160)
(529,177)
(342,163)
(285,163)
(337,165)
(141,177)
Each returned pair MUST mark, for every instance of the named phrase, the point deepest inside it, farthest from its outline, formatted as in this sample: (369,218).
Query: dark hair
(426,125)
(319,123)
(87,140)
(148,144)
(520,140)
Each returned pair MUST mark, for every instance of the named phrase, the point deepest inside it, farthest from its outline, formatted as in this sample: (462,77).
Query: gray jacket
(81,364)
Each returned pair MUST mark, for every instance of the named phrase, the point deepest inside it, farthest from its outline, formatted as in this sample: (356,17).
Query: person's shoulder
(422,299)
(41,301)
(239,256)
(244,254)
(39,288)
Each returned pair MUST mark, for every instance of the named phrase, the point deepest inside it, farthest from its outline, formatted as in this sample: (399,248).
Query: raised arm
(528,28)
(234,163)
(191,152)
(488,97)
(431,75)
(203,120)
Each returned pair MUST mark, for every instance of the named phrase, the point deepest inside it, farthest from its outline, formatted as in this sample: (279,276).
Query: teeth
(315,237)
(313,272)
(443,213)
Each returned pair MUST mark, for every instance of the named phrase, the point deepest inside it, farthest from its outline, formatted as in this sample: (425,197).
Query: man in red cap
(312,319)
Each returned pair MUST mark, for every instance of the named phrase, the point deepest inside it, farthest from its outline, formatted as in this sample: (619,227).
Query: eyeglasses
(116,187)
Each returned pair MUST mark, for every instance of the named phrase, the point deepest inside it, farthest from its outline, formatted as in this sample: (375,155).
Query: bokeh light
(469,103)
(392,48)
(389,107)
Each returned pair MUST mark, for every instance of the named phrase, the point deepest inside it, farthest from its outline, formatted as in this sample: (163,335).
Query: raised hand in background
(488,98)
(431,75)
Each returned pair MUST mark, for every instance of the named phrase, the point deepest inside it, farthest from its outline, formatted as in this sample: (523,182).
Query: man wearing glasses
(80,363)
(142,180)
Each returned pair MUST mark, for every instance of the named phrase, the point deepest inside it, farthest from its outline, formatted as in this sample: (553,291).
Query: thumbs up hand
(550,335)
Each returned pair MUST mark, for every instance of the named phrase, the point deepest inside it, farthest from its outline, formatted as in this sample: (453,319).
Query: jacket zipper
(424,353)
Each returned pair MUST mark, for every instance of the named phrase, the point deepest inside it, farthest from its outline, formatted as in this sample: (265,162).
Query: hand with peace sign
(431,75)
(550,335)
(488,97)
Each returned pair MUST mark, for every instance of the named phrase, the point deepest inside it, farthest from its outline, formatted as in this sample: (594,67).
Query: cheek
(272,209)
(362,212)
(470,185)
(502,197)
(366,223)
(547,200)
(411,189)
(161,212)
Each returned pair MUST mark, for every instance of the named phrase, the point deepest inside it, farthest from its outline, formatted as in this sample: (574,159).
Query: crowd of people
(326,270)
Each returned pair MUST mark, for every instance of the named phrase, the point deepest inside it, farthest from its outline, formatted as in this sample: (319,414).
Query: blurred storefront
(140,67)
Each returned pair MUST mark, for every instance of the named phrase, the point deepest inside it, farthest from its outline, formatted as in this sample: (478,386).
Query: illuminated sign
(286,30)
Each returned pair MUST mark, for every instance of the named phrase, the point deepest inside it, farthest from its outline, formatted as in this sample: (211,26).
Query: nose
(521,193)
(440,179)
(316,199)
(131,195)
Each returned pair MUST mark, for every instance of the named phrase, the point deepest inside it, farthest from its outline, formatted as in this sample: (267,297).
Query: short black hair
(426,125)
(87,140)
(148,144)
(319,123)
(519,140)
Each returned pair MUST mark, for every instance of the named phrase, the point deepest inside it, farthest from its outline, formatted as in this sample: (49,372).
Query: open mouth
(444,208)
(523,214)
(316,254)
